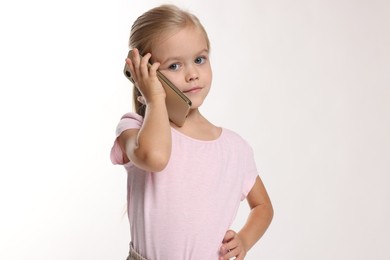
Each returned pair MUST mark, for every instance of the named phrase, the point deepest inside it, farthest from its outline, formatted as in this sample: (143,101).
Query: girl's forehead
(185,40)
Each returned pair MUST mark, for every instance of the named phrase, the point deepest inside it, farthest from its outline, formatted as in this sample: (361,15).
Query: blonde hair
(152,26)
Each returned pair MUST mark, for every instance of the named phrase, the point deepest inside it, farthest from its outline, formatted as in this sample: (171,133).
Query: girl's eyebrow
(175,58)
(170,59)
(205,50)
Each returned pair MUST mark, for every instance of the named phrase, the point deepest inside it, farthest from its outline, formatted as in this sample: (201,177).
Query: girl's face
(184,59)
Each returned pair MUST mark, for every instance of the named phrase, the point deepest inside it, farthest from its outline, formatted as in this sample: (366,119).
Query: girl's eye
(174,66)
(200,60)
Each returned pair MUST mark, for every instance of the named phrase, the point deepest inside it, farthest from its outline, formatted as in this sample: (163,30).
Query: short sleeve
(128,121)
(250,173)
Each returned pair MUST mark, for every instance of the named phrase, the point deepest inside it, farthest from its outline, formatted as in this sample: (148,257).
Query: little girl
(185,183)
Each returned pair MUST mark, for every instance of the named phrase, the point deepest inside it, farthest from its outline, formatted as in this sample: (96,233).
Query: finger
(231,244)
(232,253)
(129,62)
(130,66)
(144,69)
(241,256)
(136,61)
(141,99)
(223,251)
(229,235)
(153,69)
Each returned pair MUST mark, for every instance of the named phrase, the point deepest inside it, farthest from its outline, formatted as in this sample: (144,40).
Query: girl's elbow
(157,164)
(266,211)
(271,212)
(154,161)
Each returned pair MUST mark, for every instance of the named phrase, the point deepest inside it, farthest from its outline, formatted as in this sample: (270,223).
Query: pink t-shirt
(184,211)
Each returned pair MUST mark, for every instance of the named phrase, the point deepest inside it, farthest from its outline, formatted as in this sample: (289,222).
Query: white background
(307,83)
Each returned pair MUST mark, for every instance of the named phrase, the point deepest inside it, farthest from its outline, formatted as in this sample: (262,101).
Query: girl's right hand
(149,148)
(145,77)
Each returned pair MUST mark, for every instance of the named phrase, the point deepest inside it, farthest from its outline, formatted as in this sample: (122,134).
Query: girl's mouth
(193,90)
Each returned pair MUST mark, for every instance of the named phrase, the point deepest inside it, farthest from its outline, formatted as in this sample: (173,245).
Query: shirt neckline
(200,140)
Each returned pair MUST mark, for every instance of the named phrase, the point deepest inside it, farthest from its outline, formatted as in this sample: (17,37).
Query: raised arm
(150,146)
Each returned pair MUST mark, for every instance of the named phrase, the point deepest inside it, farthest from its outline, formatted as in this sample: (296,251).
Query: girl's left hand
(232,247)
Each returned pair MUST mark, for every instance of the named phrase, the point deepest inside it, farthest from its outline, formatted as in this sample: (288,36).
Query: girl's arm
(150,146)
(260,217)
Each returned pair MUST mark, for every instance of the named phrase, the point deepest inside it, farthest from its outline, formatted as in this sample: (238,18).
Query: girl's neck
(198,127)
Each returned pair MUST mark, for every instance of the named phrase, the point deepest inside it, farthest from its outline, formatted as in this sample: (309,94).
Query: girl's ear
(141,100)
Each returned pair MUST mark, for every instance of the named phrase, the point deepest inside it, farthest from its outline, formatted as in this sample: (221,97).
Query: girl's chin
(196,103)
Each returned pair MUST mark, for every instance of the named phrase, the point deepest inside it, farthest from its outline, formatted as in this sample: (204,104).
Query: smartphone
(178,104)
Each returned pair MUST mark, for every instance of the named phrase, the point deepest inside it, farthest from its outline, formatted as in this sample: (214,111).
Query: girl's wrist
(155,100)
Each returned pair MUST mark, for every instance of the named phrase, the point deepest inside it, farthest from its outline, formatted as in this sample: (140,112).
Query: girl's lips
(193,90)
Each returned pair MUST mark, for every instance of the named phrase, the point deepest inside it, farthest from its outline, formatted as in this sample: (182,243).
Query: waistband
(134,255)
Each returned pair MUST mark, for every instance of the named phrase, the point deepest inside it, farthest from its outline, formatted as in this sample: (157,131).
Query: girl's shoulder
(132,116)
(129,121)
(234,137)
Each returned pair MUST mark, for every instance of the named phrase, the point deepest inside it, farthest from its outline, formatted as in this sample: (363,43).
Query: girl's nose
(192,74)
